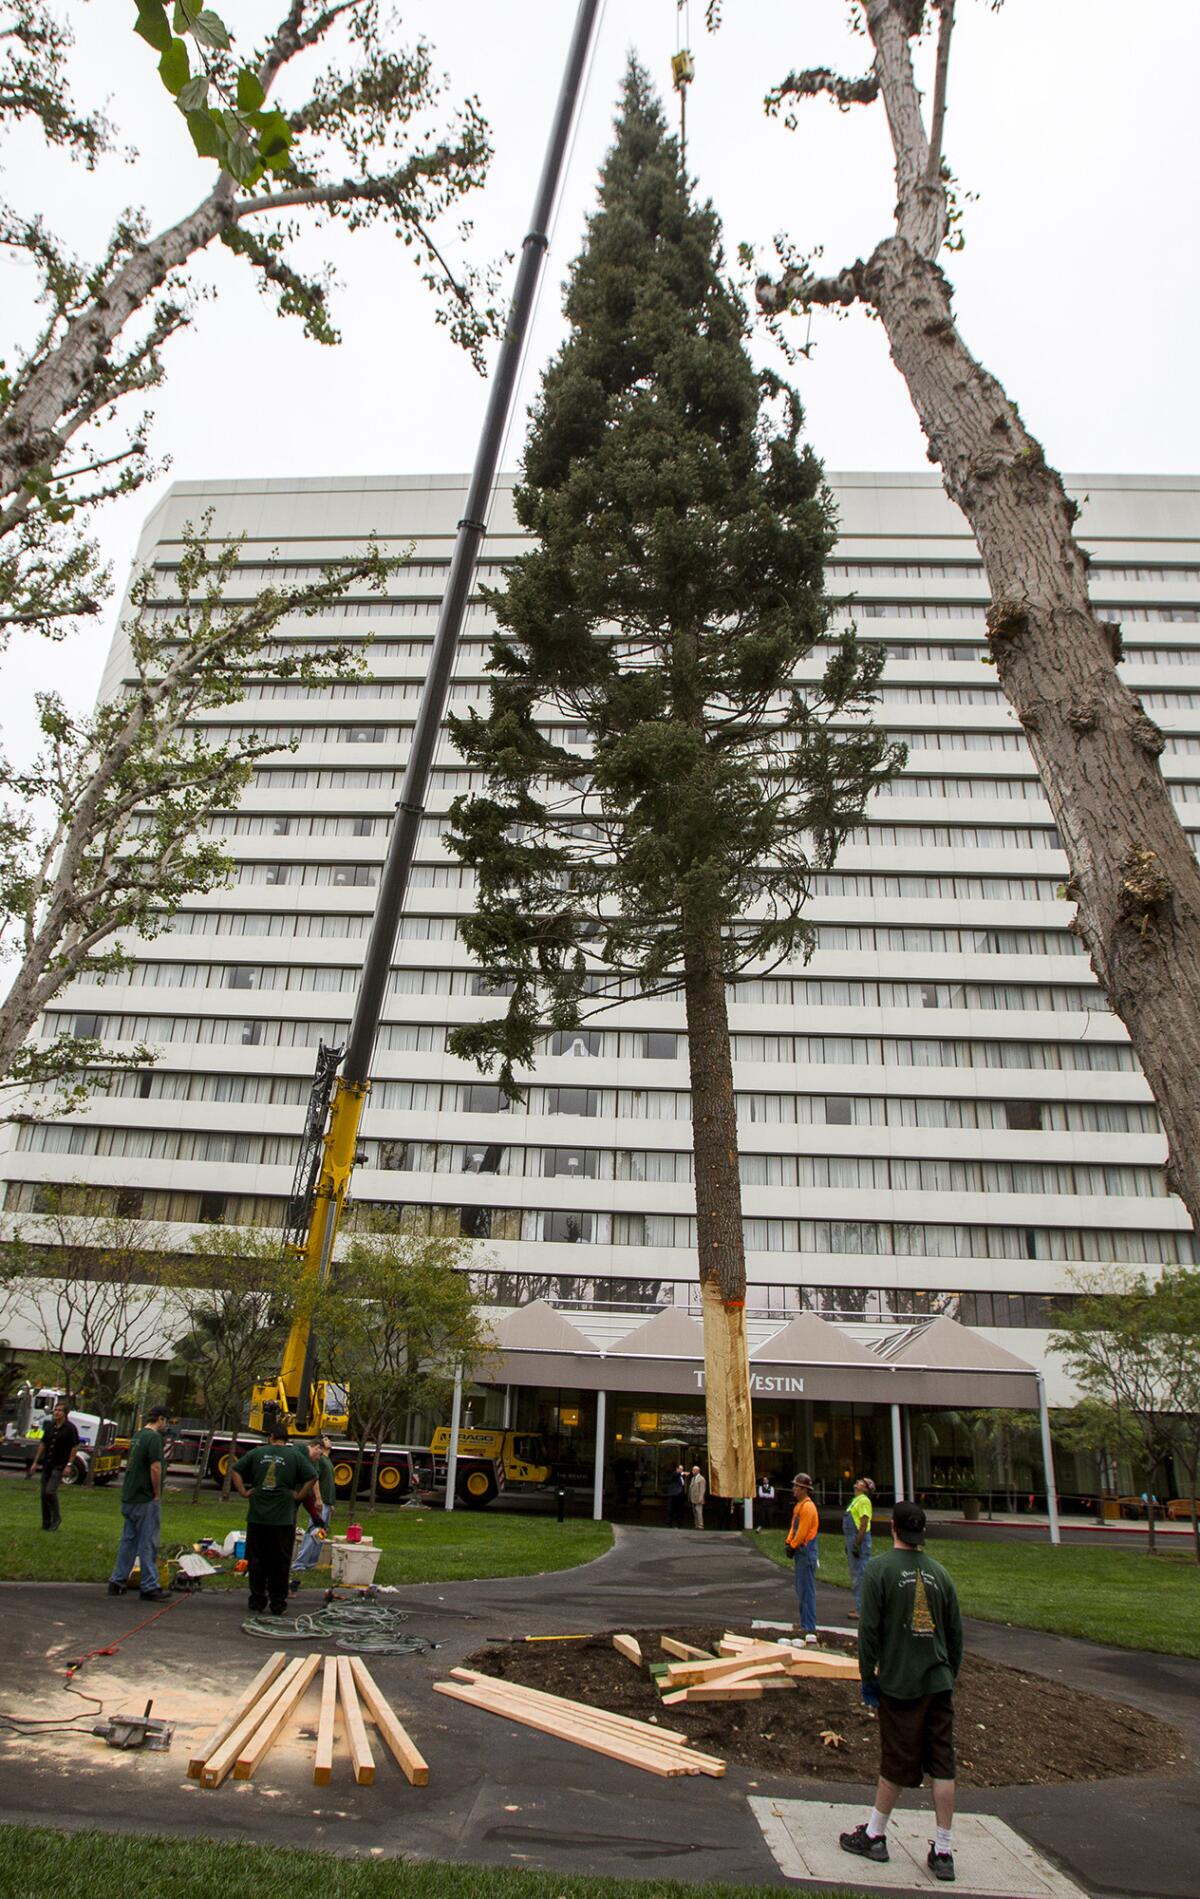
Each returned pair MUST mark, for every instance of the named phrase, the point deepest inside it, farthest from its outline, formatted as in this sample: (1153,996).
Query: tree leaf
(184,16)
(250,94)
(206,134)
(210,29)
(173,67)
(194,95)
(152,25)
(274,135)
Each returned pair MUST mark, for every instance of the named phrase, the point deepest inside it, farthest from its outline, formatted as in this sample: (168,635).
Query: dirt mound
(1010,1729)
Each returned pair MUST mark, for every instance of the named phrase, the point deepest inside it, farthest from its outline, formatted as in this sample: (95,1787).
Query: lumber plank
(666,1761)
(722,1691)
(221,1761)
(583,1712)
(629,1647)
(688,1674)
(683,1651)
(577,1710)
(605,1721)
(271,1727)
(323,1764)
(361,1757)
(409,1757)
(272,1667)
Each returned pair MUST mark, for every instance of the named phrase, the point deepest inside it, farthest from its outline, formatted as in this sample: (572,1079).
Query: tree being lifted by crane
(670,609)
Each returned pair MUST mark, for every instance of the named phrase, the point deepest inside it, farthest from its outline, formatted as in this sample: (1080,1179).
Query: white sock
(941,1839)
(877,1824)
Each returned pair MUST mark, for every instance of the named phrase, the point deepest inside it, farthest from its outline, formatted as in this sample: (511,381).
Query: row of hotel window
(473,659)
(354,924)
(302,573)
(856,1238)
(333,824)
(957,887)
(903,836)
(1023,1116)
(272,778)
(227,731)
(879,1173)
(798,992)
(378,608)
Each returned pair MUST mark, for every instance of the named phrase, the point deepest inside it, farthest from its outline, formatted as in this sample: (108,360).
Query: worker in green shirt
(910,1649)
(320,1508)
(141,1509)
(856,1528)
(276,1477)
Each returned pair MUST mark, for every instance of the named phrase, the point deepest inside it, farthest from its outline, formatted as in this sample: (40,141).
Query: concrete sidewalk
(503,1795)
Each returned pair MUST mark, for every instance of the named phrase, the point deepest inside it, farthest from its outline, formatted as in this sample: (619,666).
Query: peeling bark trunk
(52,402)
(721,1249)
(1133,874)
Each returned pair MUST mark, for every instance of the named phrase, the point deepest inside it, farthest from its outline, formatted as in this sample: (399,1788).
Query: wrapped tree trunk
(720,1245)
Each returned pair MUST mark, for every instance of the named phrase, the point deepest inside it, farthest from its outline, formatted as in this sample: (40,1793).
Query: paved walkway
(507,1796)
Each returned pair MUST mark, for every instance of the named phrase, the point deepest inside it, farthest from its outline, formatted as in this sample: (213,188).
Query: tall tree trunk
(1133,875)
(721,1249)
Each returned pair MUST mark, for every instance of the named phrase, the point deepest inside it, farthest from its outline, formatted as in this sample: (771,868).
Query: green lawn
(418,1545)
(1106,1595)
(111,1866)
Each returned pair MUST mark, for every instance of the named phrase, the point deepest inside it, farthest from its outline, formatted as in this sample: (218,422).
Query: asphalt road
(501,1795)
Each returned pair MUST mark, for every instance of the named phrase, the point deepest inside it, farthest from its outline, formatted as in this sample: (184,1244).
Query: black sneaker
(155,1595)
(866,1845)
(116,1589)
(941,1865)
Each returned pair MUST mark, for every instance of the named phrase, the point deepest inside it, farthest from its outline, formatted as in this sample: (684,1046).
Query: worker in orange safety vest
(806,1555)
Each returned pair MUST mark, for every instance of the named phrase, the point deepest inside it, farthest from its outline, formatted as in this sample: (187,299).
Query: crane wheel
(478,1489)
(389,1478)
(343,1477)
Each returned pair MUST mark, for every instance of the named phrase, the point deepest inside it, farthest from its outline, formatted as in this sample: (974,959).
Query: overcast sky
(1071,120)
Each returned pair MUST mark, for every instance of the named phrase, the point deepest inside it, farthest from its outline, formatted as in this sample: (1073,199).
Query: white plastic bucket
(354,1564)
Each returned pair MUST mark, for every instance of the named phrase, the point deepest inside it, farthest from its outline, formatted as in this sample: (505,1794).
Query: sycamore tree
(673,598)
(330,120)
(103,835)
(231,1300)
(87,1285)
(400,1320)
(1111,1341)
(1133,875)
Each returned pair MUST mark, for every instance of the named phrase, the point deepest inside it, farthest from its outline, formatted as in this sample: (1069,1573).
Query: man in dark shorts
(910,1649)
(275,1477)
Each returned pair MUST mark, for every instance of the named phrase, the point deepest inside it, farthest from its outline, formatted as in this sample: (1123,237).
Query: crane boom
(323,1175)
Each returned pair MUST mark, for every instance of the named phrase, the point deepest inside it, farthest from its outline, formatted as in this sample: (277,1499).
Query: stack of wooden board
(744,1670)
(259,1716)
(644,1744)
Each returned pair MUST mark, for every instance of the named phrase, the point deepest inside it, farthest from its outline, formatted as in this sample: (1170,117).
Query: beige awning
(937,1362)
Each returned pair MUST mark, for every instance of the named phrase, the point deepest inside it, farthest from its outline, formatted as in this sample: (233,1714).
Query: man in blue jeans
(141,1509)
(802,1542)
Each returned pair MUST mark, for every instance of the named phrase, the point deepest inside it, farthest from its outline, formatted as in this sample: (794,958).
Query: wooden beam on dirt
(412,1762)
(687,1674)
(575,1710)
(661,1758)
(221,1761)
(629,1647)
(361,1757)
(271,1668)
(742,1691)
(272,1725)
(323,1764)
(683,1651)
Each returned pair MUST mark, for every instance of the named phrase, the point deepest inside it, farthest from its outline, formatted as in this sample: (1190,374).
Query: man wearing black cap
(910,1649)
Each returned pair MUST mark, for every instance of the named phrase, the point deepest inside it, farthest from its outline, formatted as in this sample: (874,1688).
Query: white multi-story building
(939,1114)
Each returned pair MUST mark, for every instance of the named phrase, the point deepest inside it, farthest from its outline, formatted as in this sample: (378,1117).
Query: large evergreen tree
(675,589)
